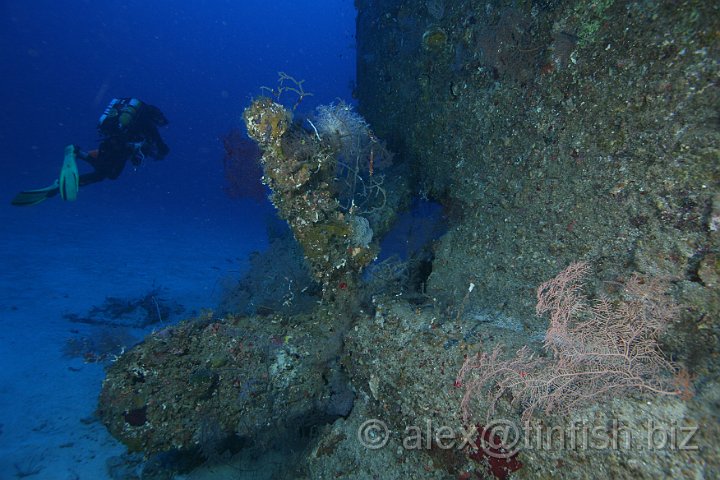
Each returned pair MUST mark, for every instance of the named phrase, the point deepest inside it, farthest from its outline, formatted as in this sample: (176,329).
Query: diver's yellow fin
(69,176)
(33,197)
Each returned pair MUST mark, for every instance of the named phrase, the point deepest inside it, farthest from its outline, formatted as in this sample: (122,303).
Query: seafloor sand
(58,259)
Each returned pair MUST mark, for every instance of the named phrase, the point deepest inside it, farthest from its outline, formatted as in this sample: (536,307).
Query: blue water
(168,224)
(200,62)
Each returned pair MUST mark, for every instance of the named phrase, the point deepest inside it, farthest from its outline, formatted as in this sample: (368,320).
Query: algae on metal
(300,167)
(556,132)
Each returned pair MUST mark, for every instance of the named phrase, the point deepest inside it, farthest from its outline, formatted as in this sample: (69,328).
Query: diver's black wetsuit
(135,140)
(129,131)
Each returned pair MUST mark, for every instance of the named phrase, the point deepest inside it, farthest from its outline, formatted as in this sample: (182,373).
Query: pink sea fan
(593,350)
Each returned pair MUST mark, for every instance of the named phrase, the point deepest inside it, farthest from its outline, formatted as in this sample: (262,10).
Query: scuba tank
(109,112)
(128,112)
(118,115)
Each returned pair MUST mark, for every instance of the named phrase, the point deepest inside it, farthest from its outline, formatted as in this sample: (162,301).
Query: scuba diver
(128,130)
